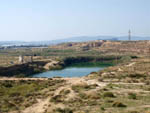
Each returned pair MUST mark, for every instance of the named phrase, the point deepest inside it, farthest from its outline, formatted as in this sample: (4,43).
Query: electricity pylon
(129,35)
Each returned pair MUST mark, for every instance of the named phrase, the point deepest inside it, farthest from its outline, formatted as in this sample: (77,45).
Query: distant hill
(90,38)
(71,39)
(133,38)
(83,39)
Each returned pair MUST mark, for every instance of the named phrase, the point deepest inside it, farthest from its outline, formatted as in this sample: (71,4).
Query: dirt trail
(39,107)
(42,105)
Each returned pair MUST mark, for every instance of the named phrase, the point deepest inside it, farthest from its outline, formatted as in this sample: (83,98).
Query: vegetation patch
(83,87)
(132,96)
(17,95)
(108,94)
(63,110)
(118,104)
(65,92)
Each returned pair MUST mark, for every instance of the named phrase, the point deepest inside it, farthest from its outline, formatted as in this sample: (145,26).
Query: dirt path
(40,107)
(44,104)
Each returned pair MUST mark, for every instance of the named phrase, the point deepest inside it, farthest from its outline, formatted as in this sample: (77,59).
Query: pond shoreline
(28,69)
(71,71)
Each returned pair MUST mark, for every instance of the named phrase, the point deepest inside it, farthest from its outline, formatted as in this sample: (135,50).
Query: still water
(76,70)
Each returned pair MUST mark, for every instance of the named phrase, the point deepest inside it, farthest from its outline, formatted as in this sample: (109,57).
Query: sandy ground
(43,104)
(39,107)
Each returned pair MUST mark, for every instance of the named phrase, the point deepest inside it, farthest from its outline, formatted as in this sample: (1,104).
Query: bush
(89,95)
(136,75)
(102,108)
(83,86)
(57,98)
(108,94)
(14,94)
(132,96)
(7,84)
(118,104)
(125,59)
(65,110)
(65,91)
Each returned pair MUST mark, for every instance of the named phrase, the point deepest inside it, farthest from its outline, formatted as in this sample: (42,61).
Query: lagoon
(75,70)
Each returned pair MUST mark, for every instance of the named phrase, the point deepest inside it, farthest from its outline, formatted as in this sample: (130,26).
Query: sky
(40,20)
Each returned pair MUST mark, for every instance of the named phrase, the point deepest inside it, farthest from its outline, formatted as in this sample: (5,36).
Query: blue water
(69,72)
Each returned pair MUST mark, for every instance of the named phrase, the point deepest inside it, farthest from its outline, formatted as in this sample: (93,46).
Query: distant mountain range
(72,39)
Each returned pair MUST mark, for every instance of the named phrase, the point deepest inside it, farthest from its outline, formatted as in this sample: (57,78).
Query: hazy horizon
(102,37)
(36,20)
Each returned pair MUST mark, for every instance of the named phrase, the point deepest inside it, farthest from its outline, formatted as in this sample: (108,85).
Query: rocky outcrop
(53,65)
(26,69)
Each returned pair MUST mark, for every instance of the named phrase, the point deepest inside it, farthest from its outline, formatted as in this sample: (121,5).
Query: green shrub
(118,104)
(65,91)
(80,87)
(65,110)
(102,108)
(57,98)
(108,94)
(132,96)
(125,59)
(7,84)
(136,75)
